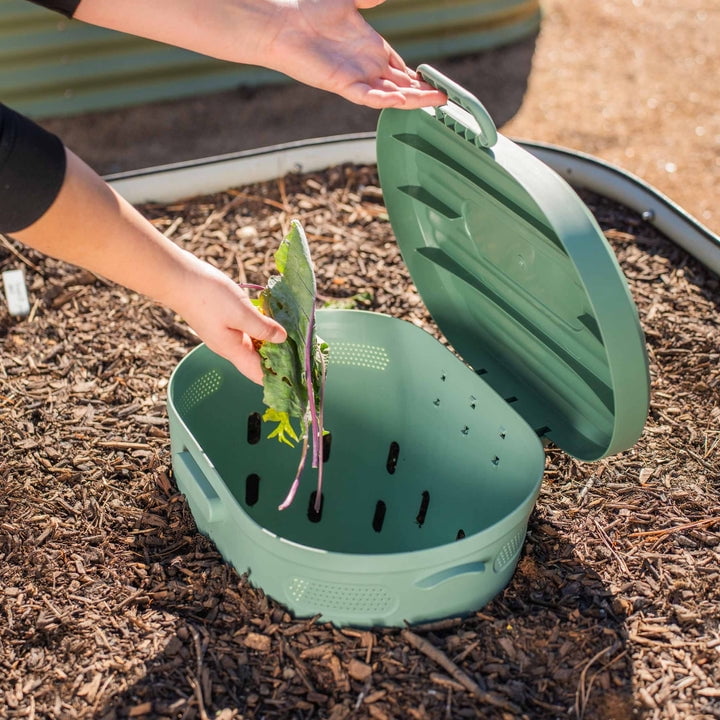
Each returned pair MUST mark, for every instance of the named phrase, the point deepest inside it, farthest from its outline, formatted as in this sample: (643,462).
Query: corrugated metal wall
(51,66)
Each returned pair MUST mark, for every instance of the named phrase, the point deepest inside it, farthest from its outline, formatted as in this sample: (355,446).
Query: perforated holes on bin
(203,387)
(509,551)
(346,597)
(370,356)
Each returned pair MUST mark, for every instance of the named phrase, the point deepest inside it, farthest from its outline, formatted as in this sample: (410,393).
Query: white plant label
(16,292)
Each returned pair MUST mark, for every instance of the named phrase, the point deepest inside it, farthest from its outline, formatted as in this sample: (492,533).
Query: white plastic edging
(169,183)
(616,184)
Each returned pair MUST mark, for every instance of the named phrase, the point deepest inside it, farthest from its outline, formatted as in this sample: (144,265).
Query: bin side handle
(471,568)
(199,490)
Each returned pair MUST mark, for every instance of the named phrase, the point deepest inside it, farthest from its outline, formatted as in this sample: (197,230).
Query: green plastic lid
(516,273)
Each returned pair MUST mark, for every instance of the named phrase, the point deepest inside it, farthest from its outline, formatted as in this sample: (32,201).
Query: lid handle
(466,100)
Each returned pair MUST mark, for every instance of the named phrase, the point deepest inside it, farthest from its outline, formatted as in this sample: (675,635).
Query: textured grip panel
(509,551)
(359,354)
(359,599)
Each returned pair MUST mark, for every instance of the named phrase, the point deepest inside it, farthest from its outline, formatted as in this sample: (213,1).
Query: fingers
(234,340)
(260,326)
(396,61)
(384,93)
(237,347)
(363,94)
(401,77)
(224,317)
(237,343)
(367,4)
(396,86)
(404,77)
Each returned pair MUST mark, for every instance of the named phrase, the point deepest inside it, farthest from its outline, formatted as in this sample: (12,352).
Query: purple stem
(287,502)
(321,464)
(251,286)
(314,424)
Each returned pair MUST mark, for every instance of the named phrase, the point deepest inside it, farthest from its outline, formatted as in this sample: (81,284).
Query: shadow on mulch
(548,643)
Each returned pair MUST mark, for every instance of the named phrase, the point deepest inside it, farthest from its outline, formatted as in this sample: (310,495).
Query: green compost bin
(434,460)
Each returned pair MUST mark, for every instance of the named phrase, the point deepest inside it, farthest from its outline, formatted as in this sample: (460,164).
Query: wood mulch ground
(113,606)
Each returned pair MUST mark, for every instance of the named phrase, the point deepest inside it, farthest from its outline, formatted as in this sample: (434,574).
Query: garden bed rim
(176,181)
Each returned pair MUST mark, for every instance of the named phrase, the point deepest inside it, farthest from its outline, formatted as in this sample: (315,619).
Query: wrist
(183,280)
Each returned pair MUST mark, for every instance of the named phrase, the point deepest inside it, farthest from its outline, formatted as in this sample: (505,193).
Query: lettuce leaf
(294,371)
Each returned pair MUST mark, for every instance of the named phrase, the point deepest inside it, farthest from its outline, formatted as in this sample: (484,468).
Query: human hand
(221,313)
(329,45)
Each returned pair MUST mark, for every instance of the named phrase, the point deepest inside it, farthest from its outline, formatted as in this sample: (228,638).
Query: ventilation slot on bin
(313,515)
(252,489)
(326,446)
(392,458)
(424,505)
(254,428)
(379,516)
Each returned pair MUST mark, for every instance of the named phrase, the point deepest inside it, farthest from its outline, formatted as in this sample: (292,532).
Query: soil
(114,606)
(633,83)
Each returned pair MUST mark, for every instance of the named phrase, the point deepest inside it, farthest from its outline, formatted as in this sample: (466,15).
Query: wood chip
(143,709)
(359,670)
(258,642)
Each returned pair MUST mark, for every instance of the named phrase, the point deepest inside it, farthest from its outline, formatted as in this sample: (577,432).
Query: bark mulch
(112,605)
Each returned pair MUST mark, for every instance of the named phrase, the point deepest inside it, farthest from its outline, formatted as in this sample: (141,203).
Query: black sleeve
(32,170)
(66,7)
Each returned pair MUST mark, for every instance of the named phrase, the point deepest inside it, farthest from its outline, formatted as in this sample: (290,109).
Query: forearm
(224,29)
(90,225)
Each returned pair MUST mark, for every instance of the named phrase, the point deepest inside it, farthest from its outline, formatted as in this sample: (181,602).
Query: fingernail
(278,336)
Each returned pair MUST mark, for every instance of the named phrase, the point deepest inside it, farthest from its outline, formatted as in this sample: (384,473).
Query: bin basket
(429,480)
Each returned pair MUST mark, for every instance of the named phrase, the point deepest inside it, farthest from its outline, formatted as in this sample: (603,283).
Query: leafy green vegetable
(294,371)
